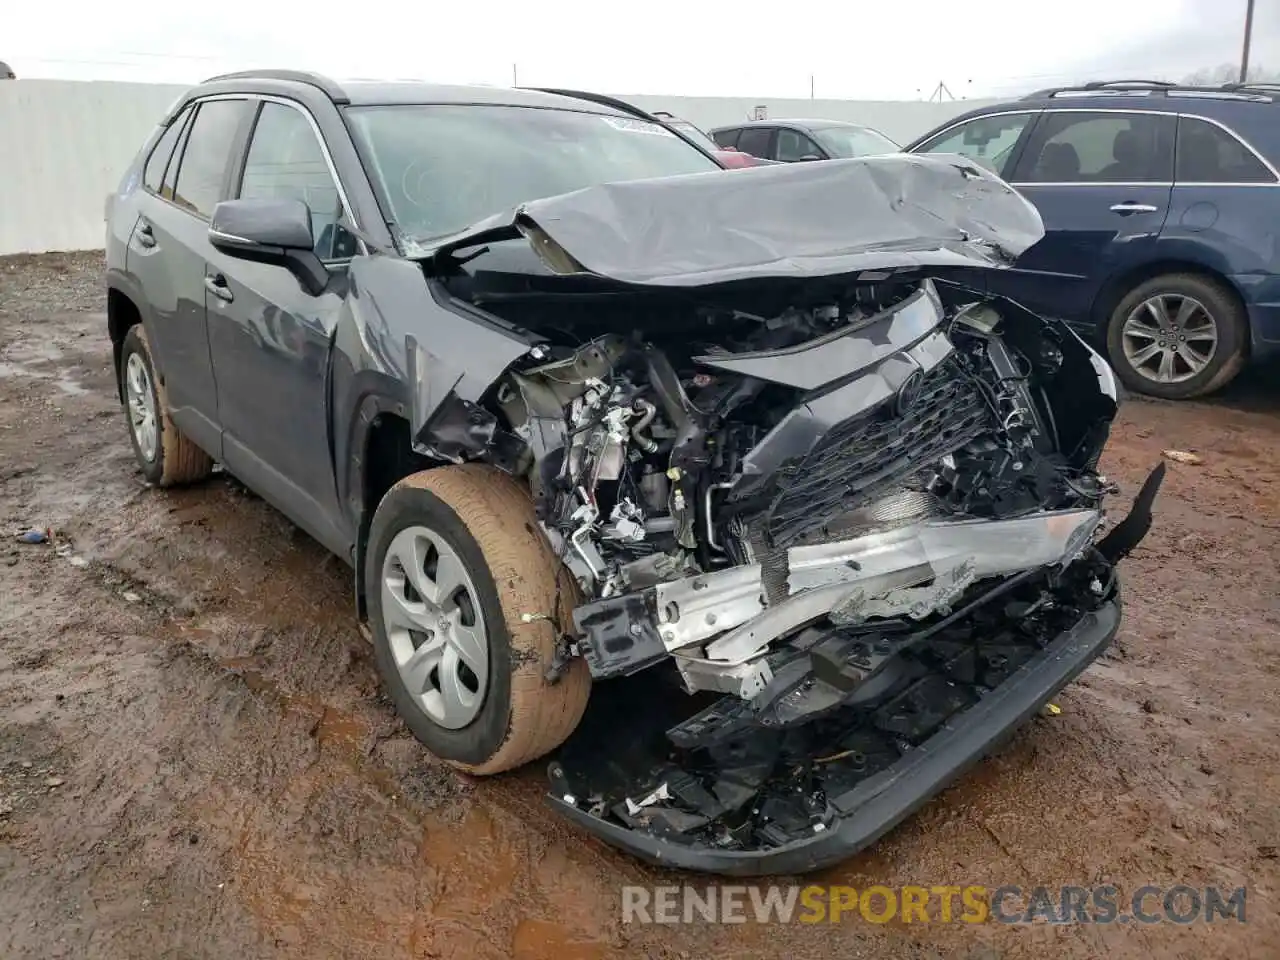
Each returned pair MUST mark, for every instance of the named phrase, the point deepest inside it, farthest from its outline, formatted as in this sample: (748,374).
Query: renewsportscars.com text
(1104,904)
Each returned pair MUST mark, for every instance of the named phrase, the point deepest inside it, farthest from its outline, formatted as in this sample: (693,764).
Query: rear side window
(755,141)
(153,176)
(205,158)
(1209,154)
(1101,147)
(727,138)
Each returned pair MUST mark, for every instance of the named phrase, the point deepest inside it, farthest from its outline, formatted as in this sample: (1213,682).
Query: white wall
(64,145)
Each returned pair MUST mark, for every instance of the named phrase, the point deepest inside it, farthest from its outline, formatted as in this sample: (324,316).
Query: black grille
(872,455)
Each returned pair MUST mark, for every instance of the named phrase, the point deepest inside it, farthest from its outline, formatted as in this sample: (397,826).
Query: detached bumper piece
(880,724)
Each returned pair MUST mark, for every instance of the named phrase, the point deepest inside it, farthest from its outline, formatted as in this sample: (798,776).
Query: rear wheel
(165,455)
(1178,336)
(467,603)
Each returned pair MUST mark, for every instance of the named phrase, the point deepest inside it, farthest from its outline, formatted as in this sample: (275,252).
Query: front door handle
(217,285)
(1130,207)
(146,236)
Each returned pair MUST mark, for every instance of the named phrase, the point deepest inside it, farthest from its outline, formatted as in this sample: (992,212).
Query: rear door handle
(146,236)
(1133,208)
(217,285)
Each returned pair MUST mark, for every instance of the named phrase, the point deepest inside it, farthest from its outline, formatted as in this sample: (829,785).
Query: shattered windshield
(444,167)
(854,141)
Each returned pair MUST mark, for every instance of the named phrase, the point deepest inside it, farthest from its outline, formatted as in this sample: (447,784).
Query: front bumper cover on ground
(878,804)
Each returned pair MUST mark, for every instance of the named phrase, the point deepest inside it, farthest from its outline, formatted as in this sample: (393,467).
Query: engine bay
(827,524)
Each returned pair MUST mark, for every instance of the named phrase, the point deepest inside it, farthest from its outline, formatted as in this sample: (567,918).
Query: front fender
(403,346)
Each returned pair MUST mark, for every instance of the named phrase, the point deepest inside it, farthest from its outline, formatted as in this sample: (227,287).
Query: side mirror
(270,231)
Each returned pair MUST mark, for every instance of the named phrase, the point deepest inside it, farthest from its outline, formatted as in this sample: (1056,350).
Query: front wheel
(1178,336)
(467,603)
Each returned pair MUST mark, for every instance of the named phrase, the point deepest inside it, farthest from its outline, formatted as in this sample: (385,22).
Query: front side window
(793,145)
(1101,147)
(1209,154)
(285,162)
(755,141)
(206,155)
(987,141)
(442,167)
(855,141)
(153,175)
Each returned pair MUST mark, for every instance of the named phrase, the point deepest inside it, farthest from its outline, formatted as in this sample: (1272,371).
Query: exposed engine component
(723,454)
(800,511)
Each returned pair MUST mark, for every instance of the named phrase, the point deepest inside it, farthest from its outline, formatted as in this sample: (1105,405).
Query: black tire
(176,459)
(487,519)
(1229,353)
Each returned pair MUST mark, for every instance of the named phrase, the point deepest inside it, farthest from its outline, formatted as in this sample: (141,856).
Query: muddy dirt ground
(195,760)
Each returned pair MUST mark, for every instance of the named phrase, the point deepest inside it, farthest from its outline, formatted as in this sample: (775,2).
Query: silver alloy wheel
(435,628)
(1169,337)
(142,406)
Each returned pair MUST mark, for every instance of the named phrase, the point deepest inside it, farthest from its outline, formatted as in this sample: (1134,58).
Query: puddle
(26,351)
(71,387)
(8,370)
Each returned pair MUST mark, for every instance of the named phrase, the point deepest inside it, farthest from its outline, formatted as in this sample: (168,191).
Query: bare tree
(6,73)
(1229,73)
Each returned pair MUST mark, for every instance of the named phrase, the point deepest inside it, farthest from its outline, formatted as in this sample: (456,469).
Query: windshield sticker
(637,126)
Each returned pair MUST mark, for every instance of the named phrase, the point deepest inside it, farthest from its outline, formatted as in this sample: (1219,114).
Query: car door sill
(299,506)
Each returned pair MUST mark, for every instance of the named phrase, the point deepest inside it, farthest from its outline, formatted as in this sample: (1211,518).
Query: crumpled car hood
(786,220)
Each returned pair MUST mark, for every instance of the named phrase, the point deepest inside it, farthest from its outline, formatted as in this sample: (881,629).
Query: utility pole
(515,80)
(1248,36)
(811,86)
(939,90)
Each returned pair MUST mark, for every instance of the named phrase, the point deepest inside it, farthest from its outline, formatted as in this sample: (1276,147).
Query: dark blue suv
(1161,207)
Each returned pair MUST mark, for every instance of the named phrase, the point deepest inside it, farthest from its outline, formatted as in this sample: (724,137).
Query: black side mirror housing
(270,231)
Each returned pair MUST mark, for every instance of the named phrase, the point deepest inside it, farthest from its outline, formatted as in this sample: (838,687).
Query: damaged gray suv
(577,405)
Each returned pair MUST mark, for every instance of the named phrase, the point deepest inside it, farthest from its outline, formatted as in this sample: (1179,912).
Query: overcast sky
(893,50)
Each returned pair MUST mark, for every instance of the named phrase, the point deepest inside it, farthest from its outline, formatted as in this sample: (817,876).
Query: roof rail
(319,81)
(623,107)
(603,99)
(1258,85)
(1127,84)
(1260,92)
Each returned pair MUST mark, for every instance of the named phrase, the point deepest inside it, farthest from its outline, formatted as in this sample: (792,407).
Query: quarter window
(1100,147)
(1209,154)
(987,141)
(727,138)
(204,159)
(285,162)
(153,176)
(171,171)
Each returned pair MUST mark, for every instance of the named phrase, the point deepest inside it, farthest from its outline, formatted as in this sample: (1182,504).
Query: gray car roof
(798,124)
